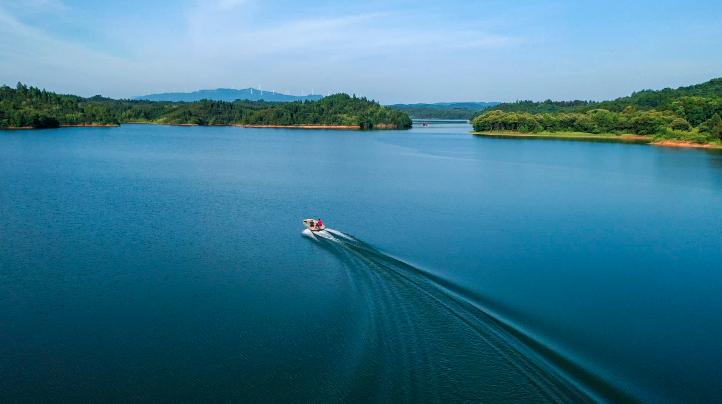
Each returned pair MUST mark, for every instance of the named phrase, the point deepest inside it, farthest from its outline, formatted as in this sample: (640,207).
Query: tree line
(447,110)
(687,113)
(25,106)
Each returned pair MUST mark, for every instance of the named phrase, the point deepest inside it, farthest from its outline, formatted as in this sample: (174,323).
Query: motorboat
(314,224)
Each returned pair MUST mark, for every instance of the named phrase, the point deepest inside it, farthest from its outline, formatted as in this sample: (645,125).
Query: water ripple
(425,338)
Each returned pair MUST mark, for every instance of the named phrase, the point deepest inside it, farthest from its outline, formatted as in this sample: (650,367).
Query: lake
(160,263)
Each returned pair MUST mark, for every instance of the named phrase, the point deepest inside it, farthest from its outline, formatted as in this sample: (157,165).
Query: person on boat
(319,223)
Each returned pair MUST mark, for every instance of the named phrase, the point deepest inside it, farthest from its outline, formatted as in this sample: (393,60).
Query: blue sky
(392,51)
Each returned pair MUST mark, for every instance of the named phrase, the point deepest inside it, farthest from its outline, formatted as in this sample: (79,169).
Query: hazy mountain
(228,94)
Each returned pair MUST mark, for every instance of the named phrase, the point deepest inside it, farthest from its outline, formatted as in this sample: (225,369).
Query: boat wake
(423,338)
(327,234)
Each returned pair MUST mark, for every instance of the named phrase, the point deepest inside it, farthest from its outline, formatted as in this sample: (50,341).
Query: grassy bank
(603,137)
(667,140)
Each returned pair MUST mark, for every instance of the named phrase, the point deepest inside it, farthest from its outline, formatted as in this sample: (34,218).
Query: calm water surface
(168,263)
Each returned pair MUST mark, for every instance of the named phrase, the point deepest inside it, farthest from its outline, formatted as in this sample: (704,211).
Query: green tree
(29,106)
(713,126)
(680,124)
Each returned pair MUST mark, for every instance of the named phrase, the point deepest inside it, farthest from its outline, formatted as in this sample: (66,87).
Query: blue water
(163,263)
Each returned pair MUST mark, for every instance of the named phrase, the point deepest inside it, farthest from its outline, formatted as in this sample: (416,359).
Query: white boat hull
(314,227)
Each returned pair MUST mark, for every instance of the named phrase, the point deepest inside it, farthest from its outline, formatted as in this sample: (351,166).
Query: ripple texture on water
(423,338)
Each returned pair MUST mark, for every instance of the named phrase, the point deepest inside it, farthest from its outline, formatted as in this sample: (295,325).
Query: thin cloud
(29,54)
(351,36)
(36,6)
(224,43)
(230,4)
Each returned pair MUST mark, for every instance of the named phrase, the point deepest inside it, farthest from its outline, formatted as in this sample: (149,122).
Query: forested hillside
(686,113)
(443,110)
(25,106)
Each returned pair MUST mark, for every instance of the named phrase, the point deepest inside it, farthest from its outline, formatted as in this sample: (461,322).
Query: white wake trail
(327,234)
(340,234)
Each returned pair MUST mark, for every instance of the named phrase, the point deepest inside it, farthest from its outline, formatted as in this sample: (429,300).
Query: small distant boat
(314,224)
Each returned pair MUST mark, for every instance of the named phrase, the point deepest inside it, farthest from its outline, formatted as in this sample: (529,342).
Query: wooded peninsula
(30,107)
(686,115)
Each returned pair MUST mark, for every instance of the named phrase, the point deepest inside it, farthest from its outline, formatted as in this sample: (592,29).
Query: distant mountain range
(228,94)
(443,110)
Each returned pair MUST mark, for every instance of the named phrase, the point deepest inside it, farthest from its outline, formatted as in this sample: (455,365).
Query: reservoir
(166,263)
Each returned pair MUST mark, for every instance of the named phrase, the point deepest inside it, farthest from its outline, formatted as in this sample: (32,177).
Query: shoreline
(611,138)
(89,125)
(688,145)
(237,125)
(626,138)
(346,127)
(83,125)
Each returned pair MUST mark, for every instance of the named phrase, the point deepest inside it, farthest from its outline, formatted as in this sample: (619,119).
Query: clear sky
(392,51)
